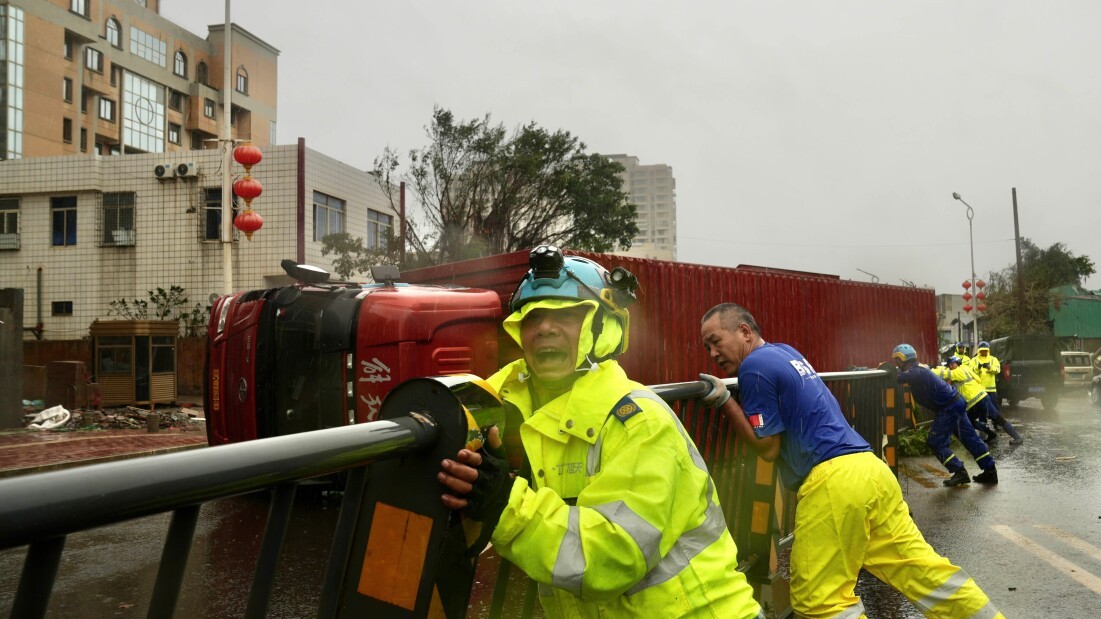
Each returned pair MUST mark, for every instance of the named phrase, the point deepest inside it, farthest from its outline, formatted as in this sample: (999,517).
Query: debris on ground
(121,418)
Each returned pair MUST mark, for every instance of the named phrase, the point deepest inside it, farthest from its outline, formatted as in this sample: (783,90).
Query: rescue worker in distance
(987,367)
(615,514)
(932,392)
(961,352)
(980,406)
(850,512)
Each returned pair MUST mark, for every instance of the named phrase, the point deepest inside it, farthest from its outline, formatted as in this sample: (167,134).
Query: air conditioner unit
(164,170)
(187,170)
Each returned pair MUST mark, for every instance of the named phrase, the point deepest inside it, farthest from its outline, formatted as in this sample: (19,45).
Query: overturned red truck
(320,354)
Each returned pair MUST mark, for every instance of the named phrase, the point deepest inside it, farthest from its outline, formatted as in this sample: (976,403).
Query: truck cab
(319,354)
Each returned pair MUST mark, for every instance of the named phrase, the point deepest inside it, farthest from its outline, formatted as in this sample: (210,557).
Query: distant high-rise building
(113,76)
(653,190)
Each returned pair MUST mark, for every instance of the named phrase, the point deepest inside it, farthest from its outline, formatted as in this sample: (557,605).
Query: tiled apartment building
(654,191)
(110,76)
(80,232)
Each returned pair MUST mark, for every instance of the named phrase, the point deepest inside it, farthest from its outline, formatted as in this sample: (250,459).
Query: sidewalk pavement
(23,452)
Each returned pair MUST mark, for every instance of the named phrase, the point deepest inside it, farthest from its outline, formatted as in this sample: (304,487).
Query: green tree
(484,191)
(1041,270)
(353,257)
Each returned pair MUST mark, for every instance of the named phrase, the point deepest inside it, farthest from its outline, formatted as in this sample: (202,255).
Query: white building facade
(653,190)
(81,231)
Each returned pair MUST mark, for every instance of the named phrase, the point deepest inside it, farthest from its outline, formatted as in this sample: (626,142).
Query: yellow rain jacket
(988,376)
(620,517)
(965,381)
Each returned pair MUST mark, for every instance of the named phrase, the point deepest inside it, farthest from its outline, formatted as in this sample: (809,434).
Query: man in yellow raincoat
(614,513)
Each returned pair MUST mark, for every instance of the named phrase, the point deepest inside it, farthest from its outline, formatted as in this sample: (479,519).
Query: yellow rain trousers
(620,517)
(851,515)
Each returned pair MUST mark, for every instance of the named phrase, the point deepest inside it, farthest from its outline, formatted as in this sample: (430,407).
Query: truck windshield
(311,335)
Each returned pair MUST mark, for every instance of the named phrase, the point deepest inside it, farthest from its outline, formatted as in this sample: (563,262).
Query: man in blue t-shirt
(850,513)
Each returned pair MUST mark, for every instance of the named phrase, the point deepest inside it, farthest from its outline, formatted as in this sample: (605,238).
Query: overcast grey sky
(818,136)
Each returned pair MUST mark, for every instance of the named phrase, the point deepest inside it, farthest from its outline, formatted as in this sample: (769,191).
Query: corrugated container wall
(835,323)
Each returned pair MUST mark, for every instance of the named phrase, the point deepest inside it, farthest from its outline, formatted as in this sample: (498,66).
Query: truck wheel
(1049,402)
(1012,402)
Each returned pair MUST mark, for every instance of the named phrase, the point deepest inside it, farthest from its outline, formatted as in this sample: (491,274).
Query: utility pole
(226,142)
(1020,271)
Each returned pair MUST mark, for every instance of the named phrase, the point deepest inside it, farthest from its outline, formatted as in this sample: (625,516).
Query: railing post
(177,547)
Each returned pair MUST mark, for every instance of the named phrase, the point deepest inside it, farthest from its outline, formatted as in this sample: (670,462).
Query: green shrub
(912,442)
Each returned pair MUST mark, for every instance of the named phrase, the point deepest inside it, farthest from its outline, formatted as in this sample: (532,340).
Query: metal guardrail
(41,510)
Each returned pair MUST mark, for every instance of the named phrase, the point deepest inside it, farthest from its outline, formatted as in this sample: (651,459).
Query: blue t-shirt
(781,392)
(930,390)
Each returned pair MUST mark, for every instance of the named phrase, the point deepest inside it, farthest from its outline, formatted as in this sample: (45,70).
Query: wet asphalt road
(1033,542)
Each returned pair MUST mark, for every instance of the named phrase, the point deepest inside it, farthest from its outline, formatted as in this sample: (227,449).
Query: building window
(328,215)
(200,73)
(80,7)
(208,108)
(196,140)
(93,59)
(143,113)
(176,100)
(67,89)
(147,46)
(63,220)
(67,130)
(9,223)
(118,218)
(212,212)
(83,139)
(11,82)
(174,133)
(61,308)
(114,33)
(107,109)
(380,227)
(242,80)
(180,67)
(271,133)
(67,49)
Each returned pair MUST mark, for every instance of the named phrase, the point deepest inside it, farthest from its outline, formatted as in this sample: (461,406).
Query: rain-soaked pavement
(1033,542)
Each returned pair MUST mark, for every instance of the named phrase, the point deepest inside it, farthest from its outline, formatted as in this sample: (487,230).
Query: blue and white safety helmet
(954,359)
(555,281)
(903,353)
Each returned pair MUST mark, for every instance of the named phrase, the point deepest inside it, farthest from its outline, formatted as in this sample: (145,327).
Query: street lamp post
(971,236)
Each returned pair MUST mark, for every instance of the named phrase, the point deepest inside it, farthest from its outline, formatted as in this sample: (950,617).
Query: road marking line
(1084,578)
(1080,545)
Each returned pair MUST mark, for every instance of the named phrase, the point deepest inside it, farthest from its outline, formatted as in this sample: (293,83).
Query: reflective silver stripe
(986,612)
(687,546)
(569,566)
(592,466)
(852,612)
(646,535)
(943,592)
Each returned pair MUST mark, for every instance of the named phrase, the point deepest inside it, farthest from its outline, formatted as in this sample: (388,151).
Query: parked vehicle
(1078,370)
(1032,367)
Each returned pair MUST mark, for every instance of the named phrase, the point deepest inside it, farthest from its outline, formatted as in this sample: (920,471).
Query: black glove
(719,393)
(488,498)
(890,368)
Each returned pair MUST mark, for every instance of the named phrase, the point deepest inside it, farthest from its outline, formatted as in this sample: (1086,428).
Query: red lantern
(967,296)
(967,307)
(248,221)
(247,155)
(966,284)
(982,307)
(248,188)
(980,284)
(981,295)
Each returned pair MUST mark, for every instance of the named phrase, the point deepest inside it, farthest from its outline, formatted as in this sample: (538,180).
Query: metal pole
(1020,271)
(226,140)
(974,338)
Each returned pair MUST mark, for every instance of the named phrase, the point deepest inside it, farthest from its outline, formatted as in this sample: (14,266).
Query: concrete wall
(11,358)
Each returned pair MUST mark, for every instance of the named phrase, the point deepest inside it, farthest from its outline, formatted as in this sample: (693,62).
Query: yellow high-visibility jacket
(965,381)
(620,517)
(988,376)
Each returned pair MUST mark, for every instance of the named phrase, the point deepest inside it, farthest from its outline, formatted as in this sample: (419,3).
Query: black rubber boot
(959,478)
(1016,437)
(989,476)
